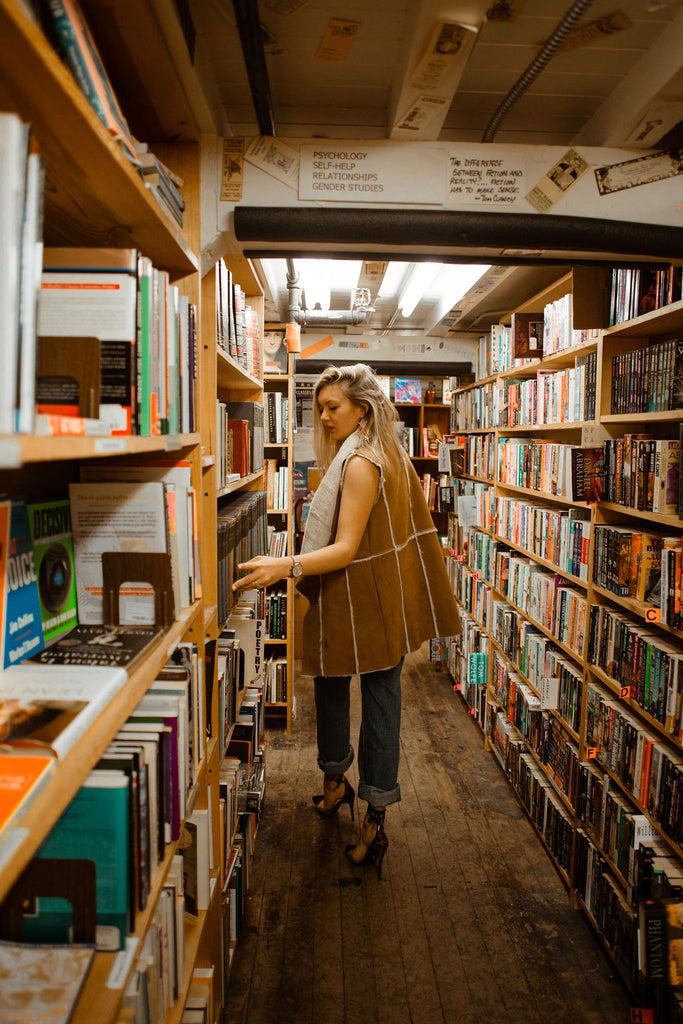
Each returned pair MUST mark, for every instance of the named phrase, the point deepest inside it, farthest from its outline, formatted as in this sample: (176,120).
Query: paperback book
(99,645)
(22,629)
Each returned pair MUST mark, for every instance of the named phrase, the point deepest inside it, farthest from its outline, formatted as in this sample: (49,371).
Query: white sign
(363,173)
(484,177)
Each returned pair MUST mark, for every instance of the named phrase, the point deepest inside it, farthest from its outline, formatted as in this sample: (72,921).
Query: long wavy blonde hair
(360,385)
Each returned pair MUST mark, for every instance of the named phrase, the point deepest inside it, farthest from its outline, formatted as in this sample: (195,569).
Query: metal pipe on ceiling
(316,317)
(251,38)
(544,55)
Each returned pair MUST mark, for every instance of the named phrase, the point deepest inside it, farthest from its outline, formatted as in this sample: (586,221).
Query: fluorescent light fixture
(391,281)
(422,276)
(320,277)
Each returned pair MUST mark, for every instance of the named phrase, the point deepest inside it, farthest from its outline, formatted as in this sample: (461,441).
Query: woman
(373,571)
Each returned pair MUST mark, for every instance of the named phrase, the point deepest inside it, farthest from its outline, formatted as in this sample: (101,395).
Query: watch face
(297,569)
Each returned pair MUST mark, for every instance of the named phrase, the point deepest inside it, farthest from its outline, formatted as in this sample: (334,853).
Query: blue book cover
(23,622)
(95,826)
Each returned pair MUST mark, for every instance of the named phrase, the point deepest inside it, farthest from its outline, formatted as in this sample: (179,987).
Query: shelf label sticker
(107,445)
(591,753)
(470,711)
(653,615)
(642,1015)
(10,453)
(457,687)
(625,692)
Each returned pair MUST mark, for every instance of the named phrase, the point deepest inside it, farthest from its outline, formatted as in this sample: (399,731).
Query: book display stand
(119,567)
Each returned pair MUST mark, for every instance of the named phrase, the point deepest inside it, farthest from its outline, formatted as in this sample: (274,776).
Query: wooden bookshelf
(591,297)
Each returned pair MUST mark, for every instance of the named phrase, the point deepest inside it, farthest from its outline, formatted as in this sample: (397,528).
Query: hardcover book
(99,645)
(587,474)
(53,552)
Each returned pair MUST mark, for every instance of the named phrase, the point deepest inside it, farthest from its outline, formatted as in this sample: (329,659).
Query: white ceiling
(599,93)
(594,94)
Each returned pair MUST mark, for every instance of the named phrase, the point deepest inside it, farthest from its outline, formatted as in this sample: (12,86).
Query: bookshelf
(279,451)
(94,197)
(421,421)
(523,560)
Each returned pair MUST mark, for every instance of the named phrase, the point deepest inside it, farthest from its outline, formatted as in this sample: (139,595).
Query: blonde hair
(360,385)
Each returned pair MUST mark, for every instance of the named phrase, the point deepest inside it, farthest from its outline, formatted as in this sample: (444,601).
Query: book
(42,983)
(53,553)
(527,335)
(194,848)
(51,707)
(22,776)
(112,516)
(99,645)
(72,38)
(587,474)
(407,389)
(31,263)
(22,623)
(95,826)
(14,150)
(92,293)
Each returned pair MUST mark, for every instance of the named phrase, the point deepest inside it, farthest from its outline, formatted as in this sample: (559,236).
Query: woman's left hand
(263,571)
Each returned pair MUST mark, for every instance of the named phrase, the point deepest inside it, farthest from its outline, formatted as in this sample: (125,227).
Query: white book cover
(14,139)
(179,474)
(72,696)
(112,516)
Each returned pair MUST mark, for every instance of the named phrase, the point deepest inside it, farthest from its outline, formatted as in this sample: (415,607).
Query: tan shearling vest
(394,595)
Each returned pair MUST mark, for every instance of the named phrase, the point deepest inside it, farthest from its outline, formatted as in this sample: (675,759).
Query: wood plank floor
(470,922)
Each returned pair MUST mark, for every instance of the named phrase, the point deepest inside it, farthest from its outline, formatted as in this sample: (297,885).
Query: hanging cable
(544,55)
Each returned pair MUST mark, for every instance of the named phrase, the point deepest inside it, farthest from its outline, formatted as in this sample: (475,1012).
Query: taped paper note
(596,30)
(232,174)
(441,56)
(556,183)
(422,113)
(504,10)
(275,158)
(481,179)
(336,43)
(640,171)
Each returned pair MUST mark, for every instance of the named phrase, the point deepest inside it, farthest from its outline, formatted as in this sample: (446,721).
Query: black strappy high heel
(347,797)
(378,847)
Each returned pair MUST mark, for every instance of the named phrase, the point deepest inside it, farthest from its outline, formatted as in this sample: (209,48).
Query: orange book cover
(21,778)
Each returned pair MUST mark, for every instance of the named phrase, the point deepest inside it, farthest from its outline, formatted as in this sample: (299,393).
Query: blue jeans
(378,743)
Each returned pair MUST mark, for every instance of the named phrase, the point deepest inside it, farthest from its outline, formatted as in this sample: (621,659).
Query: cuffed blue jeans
(378,743)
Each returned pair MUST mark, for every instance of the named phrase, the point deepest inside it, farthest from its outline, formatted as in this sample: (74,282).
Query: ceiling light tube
(420,279)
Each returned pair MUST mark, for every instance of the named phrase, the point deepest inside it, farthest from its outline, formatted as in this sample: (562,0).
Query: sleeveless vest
(393,596)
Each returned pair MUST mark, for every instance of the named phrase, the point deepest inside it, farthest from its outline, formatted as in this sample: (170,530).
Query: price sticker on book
(653,615)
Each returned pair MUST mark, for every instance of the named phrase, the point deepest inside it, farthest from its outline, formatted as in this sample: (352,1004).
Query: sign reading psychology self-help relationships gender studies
(366,173)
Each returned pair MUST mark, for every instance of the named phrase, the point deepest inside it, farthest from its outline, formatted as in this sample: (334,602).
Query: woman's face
(338,414)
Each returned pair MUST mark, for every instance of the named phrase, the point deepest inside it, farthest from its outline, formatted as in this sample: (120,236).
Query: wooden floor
(470,922)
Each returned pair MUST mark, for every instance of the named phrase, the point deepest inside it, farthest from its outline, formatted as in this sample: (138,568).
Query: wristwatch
(297,568)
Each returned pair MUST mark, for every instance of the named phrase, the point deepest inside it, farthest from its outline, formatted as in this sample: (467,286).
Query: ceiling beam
(421,97)
(616,121)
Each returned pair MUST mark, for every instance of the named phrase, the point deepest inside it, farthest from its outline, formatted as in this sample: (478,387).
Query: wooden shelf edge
(76,765)
(22,449)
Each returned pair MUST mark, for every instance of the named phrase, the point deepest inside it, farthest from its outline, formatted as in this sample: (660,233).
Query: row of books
(646,665)
(554,749)
(471,591)
(144,368)
(275,681)
(276,418)
(276,615)
(52,555)
(277,542)
(474,455)
(277,485)
(548,600)
(238,329)
(559,332)
(560,396)
(558,535)
(629,562)
(544,466)
(645,766)
(242,526)
(642,471)
(648,379)
(638,290)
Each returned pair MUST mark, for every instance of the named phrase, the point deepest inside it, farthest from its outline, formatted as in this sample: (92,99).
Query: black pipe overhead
(251,37)
(524,231)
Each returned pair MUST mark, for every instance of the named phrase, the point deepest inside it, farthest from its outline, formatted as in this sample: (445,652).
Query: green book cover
(53,554)
(95,826)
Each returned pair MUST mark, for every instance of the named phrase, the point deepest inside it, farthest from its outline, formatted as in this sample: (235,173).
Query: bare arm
(358,496)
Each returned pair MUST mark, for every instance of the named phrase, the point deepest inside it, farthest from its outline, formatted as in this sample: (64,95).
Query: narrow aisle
(470,922)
